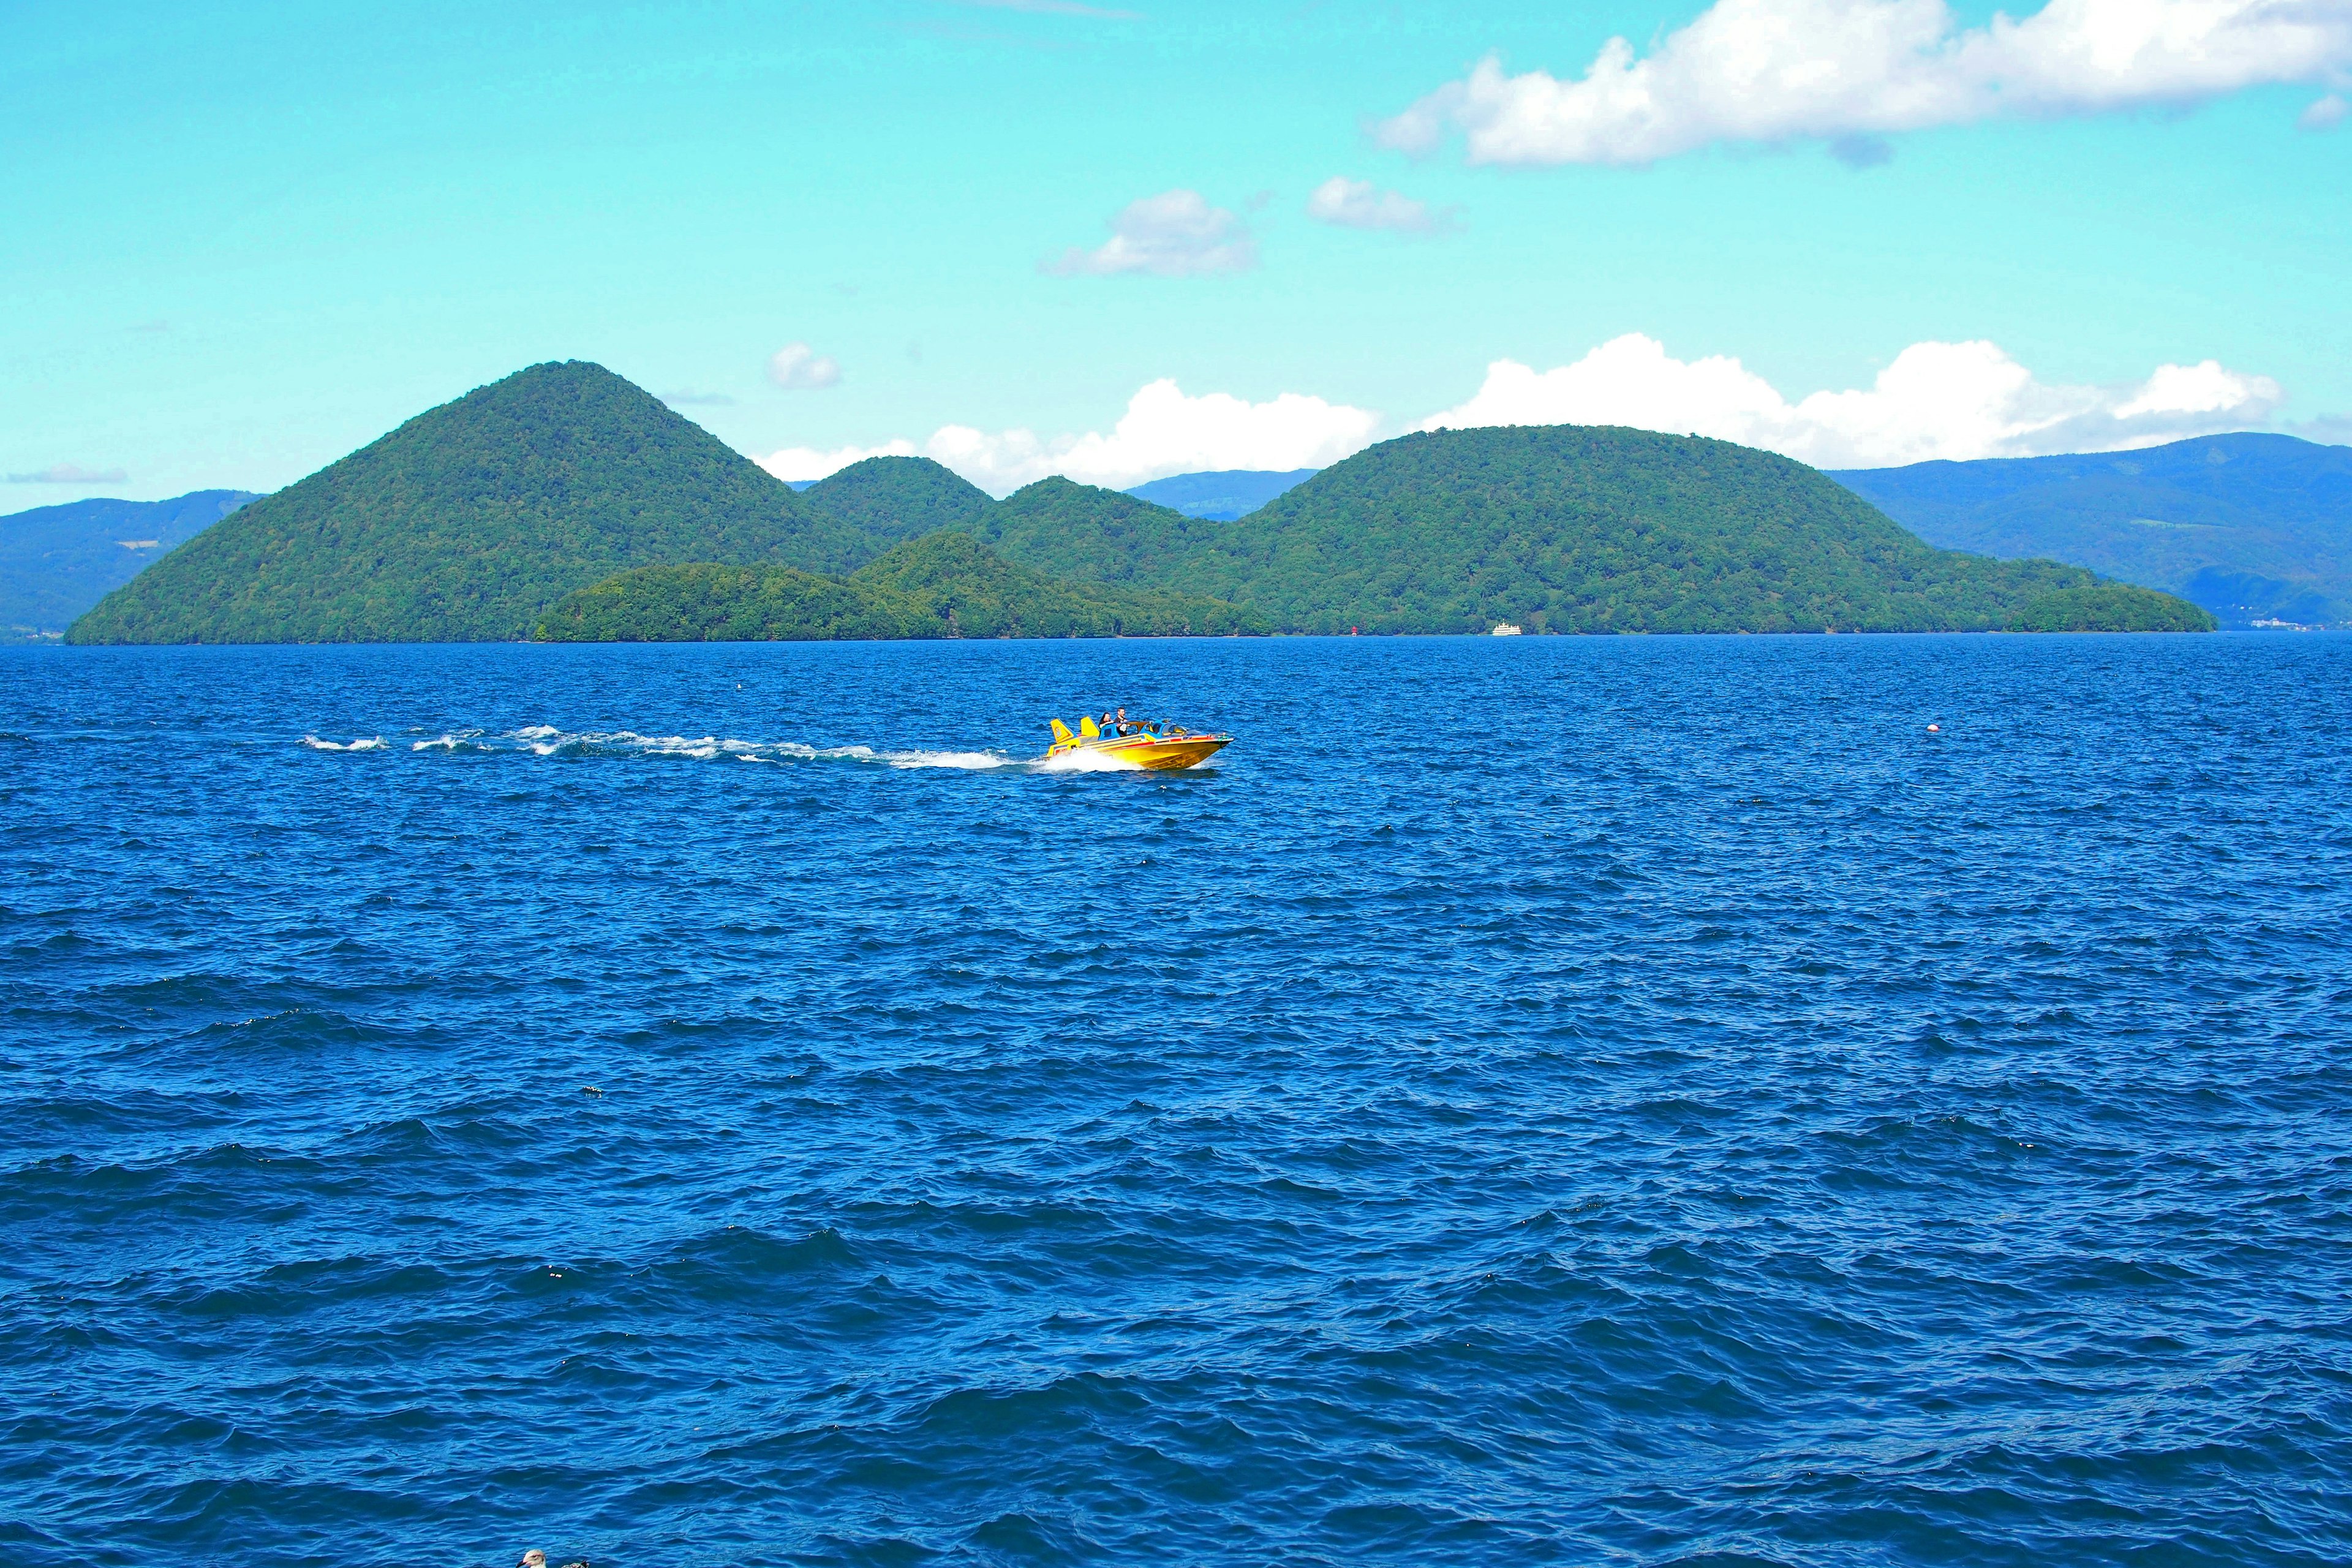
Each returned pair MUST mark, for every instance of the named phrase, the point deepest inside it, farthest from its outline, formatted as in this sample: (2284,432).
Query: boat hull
(1156,753)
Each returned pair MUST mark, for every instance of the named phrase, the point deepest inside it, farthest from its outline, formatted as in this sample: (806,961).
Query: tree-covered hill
(946,584)
(1563,528)
(471,520)
(2251,526)
(891,500)
(1075,531)
(2110,607)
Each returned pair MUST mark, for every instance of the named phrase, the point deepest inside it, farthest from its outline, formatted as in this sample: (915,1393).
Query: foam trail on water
(364,743)
(972,759)
(1085,762)
(548,740)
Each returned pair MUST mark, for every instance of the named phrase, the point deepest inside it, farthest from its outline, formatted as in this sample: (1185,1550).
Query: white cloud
(1773,70)
(1176,234)
(2330,430)
(69,474)
(1162,432)
(810,463)
(1935,400)
(801,368)
(1355,204)
(1165,432)
(2324,114)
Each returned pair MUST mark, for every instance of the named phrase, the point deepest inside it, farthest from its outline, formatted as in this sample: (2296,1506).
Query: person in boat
(1126,728)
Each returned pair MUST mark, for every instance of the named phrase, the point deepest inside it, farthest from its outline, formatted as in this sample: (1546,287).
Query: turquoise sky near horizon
(240,242)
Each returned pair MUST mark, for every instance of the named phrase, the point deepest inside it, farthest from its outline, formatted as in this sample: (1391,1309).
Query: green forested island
(565,504)
(2108,607)
(1558,528)
(470,520)
(944,585)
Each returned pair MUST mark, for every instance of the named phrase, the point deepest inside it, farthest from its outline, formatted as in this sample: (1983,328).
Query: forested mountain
(477,519)
(58,561)
(946,584)
(1224,494)
(1075,530)
(2253,527)
(1564,528)
(891,500)
(471,520)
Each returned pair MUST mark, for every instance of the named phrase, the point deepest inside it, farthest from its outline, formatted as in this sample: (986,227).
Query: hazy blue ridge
(56,561)
(1221,495)
(2251,527)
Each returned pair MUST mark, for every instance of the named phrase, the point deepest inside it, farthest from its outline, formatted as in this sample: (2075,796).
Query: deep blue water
(1553,1101)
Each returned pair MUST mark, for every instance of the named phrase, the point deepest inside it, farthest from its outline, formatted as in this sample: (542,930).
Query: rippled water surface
(1551,1100)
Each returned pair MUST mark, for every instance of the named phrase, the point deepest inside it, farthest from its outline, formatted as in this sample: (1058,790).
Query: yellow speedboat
(1160,753)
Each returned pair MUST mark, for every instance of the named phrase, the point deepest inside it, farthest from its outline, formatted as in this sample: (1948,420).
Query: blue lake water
(1630,1101)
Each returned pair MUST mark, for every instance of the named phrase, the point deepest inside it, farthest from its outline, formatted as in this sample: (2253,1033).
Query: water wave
(364,743)
(548,740)
(1710,1124)
(1087,761)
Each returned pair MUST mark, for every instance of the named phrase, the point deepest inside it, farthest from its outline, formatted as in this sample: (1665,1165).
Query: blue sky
(241,241)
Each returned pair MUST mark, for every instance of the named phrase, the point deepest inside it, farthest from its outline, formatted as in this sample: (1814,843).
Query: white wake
(549,740)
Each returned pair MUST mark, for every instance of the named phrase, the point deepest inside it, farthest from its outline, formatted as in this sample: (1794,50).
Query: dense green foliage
(1564,529)
(705,603)
(56,561)
(2253,527)
(978,593)
(472,518)
(889,500)
(565,502)
(1077,532)
(946,584)
(2110,607)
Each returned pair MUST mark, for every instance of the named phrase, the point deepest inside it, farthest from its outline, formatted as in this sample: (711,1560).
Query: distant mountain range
(2256,529)
(56,561)
(1224,495)
(565,502)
